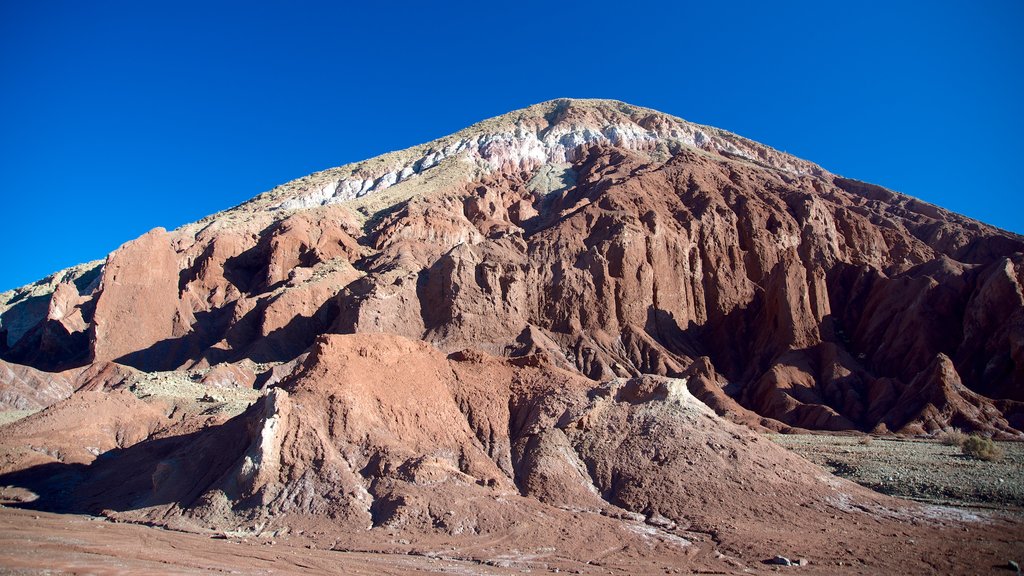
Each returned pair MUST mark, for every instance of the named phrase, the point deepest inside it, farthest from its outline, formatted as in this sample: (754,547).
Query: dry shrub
(953,437)
(981,448)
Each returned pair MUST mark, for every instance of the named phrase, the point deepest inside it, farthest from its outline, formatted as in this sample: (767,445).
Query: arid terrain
(923,470)
(563,338)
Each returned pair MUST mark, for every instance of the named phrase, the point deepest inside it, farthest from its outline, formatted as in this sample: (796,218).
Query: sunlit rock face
(553,337)
(612,240)
(560,136)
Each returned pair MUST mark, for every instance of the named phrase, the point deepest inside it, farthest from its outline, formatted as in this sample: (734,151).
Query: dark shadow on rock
(164,471)
(29,306)
(49,346)
(294,338)
(728,340)
(435,305)
(348,302)
(371,228)
(172,353)
(663,328)
(281,345)
(245,271)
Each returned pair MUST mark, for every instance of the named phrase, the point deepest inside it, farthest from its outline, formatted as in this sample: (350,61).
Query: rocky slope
(381,443)
(558,325)
(617,240)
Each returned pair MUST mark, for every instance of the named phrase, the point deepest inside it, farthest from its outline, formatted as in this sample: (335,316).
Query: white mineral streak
(527,149)
(262,457)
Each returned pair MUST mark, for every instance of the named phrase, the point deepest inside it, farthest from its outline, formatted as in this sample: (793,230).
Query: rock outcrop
(25,388)
(375,436)
(614,240)
(548,341)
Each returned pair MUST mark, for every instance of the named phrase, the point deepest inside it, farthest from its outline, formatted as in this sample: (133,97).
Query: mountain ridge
(303,184)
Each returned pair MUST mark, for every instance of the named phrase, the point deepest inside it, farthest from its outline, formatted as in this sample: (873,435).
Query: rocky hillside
(378,443)
(546,342)
(615,240)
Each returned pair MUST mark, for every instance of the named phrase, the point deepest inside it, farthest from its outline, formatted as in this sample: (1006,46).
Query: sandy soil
(38,542)
(33,542)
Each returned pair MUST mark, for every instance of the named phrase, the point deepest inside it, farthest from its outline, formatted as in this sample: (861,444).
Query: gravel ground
(8,416)
(185,393)
(924,470)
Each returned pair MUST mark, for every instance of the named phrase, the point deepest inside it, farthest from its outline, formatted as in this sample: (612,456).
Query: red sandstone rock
(25,388)
(616,240)
(388,441)
(78,429)
(138,306)
(228,376)
(553,331)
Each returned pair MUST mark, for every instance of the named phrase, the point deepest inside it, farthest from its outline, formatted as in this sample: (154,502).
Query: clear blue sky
(116,117)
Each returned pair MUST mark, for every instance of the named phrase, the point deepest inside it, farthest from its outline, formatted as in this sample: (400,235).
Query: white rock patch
(527,149)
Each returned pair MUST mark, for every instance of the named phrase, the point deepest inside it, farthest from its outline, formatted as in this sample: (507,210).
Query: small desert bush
(953,437)
(981,448)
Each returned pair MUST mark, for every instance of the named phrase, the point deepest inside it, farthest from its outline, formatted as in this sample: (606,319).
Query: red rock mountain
(543,340)
(616,241)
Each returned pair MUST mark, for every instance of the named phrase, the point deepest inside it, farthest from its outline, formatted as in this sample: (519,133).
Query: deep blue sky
(116,117)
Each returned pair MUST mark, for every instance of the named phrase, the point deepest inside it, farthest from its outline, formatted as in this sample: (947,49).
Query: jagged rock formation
(25,388)
(560,324)
(374,437)
(617,240)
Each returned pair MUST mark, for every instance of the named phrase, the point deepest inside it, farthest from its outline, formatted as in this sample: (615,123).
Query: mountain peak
(552,313)
(553,132)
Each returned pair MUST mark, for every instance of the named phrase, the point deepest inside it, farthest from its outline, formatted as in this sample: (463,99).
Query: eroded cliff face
(612,240)
(383,443)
